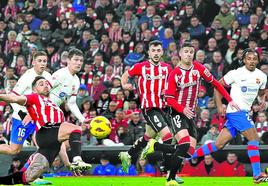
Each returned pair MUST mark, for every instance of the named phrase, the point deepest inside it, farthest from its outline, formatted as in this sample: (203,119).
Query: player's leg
(71,132)
(211,147)
(19,134)
(138,145)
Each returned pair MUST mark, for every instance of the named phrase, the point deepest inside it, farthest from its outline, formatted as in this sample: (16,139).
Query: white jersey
(245,86)
(23,87)
(64,88)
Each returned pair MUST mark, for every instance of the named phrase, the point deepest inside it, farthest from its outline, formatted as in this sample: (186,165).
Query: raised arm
(12,98)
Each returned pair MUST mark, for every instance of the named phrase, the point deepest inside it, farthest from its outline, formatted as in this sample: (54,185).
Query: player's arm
(133,71)
(9,98)
(124,81)
(218,98)
(74,108)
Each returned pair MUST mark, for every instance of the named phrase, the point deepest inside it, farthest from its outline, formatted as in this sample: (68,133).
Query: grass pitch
(150,181)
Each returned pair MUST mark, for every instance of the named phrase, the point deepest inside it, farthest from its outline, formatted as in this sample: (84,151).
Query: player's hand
(234,105)
(26,120)
(127,86)
(188,113)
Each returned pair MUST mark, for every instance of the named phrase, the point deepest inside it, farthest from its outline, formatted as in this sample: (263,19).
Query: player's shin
(75,143)
(38,166)
(254,157)
(205,150)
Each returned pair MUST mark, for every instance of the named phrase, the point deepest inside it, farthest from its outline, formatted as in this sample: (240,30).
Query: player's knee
(37,167)
(219,145)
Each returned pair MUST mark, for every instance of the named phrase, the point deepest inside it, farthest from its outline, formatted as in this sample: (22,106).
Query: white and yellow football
(100,127)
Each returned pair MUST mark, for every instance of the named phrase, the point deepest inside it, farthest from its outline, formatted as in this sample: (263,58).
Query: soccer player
(49,119)
(246,83)
(152,77)
(22,126)
(181,96)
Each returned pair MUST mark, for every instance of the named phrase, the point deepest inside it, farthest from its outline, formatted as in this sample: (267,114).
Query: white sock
(77,158)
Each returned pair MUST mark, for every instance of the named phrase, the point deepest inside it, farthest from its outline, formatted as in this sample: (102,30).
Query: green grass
(150,181)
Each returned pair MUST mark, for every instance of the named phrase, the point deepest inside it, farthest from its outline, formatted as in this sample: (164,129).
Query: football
(100,127)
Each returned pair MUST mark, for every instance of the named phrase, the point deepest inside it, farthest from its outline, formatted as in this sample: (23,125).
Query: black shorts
(47,141)
(155,118)
(180,122)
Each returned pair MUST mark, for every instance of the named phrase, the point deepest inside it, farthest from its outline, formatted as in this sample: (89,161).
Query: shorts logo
(62,94)
(244,89)
(19,139)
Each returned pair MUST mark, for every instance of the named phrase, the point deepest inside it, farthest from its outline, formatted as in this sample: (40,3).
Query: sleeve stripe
(15,93)
(74,95)
(49,84)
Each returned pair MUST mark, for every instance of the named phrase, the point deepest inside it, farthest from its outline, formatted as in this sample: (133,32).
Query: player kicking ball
(246,83)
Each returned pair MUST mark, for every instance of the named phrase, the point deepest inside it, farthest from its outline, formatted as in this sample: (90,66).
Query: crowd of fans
(114,35)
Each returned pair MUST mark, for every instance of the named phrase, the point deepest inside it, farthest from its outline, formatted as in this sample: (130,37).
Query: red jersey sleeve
(136,69)
(31,99)
(204,72)
(171,85)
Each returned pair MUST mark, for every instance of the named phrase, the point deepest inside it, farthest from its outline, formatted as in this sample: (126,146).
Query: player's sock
(166,146)
(205,150)
(167,139)
(75,143)
(181,152)
(254,157)
(138,145)
(12,179)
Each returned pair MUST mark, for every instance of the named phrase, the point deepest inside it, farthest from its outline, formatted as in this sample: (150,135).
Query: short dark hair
(37,78)
(187,44)
(39,53)
(155,43)
(75,51)
(248,50)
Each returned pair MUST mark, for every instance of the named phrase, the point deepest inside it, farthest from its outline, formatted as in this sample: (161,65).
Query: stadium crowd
(114,35)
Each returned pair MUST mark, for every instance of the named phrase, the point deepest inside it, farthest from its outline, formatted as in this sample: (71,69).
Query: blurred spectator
(202,101)
(110,112)
(15,166)
(57,169)
(202,124)
(244,15)
(218,119)
(190,167)
(144,168)
(123,136)
(103,102)
(136,126)
(262,123)
(225,16)
(231,167)
(3,139)
(105,168)
(211,135)
(117,122)
(208,167)
(96,88)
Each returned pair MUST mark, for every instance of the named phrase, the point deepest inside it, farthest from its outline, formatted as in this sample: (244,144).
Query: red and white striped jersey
(43,111)
(183,84)
(152,81)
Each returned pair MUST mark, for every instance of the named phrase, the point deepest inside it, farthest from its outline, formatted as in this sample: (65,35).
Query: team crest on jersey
(258,81)
(62,94)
